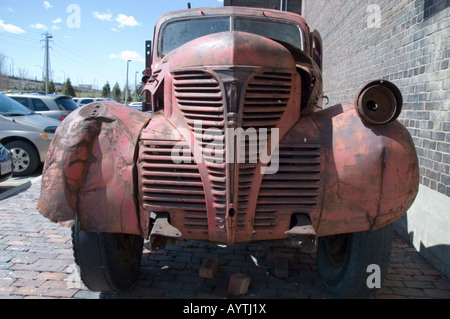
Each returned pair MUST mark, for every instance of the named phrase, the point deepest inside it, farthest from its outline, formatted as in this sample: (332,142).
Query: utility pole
(47,60)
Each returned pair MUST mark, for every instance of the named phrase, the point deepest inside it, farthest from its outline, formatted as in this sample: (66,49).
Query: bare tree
(2,64)
(22,73)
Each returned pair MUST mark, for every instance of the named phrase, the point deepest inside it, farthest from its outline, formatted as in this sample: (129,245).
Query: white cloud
(127,55)
(55,27)
(102,16)
(58,20)
(4,27)
(125,20)
(39,26)
(47,5)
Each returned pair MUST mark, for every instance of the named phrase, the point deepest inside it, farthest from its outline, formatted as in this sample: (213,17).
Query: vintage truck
(238,148)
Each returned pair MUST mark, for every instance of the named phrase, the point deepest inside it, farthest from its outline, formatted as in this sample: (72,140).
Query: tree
(22,73)
(68,88)
(106,91)
(116,92)
(137,92)
(51,87)
(2,64)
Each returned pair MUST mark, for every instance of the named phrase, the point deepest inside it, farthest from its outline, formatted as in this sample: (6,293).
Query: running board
(163,234)
(302,235)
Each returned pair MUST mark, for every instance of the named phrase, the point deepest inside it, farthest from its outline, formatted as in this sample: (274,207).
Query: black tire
(109,262)
(343,261)
(25,157)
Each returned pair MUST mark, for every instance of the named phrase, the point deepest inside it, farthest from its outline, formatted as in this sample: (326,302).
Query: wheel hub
(21,159)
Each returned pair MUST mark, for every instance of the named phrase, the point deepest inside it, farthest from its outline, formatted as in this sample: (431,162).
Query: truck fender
(90,169)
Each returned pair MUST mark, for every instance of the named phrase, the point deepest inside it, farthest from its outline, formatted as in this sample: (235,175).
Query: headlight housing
(379,102)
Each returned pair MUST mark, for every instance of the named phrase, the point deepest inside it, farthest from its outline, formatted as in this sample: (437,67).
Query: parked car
(52,105)
(6,163)
(86,100)
(136,105)
(26,134)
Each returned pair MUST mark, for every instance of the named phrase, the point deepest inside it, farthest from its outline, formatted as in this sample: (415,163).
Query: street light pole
(126,85)
(135,85)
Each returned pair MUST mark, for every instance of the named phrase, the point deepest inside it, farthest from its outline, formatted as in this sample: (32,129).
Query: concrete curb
(19,189)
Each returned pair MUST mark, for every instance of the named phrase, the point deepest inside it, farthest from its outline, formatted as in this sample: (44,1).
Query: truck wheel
(108,262)
(25,157)
(354,265)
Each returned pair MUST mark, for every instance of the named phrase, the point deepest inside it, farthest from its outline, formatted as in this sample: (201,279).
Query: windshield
(177,33)
(9,107)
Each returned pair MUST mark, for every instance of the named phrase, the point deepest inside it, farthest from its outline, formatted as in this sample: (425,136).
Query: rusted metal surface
(89,171)
(189,163)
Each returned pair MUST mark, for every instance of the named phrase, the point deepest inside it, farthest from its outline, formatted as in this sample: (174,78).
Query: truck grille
(168,185)
(266,99)
(295,188)
(179,187)
(200,99)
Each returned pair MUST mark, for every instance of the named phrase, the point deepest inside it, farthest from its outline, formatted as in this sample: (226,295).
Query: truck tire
(108,262)
(354,265)
(25,157)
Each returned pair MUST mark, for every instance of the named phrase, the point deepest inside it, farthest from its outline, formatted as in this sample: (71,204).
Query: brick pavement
(36,261)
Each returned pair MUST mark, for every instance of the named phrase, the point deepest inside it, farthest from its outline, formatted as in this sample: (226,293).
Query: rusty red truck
(238,148)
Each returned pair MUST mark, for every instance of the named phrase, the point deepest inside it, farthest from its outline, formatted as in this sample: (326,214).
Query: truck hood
(232,48)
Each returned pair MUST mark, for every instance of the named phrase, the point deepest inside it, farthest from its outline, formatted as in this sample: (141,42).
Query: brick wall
(406,42)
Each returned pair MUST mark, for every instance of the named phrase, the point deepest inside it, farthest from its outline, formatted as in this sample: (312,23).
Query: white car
(86,100)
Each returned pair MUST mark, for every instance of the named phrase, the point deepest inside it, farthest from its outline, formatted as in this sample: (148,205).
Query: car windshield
(9,107)
(177,33)
(67,104)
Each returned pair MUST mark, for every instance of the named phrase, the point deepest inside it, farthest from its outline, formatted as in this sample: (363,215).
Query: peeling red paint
(89,171)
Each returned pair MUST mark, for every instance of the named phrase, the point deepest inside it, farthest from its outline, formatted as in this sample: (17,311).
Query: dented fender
(372,172)
(90,169)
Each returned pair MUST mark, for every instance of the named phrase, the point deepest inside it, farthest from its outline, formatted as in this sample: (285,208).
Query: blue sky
(92,40)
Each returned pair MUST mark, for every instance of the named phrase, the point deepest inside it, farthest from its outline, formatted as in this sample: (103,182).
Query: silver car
(51,105)
(26,134)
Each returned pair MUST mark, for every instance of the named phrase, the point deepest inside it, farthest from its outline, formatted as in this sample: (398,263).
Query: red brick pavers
(36,261)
